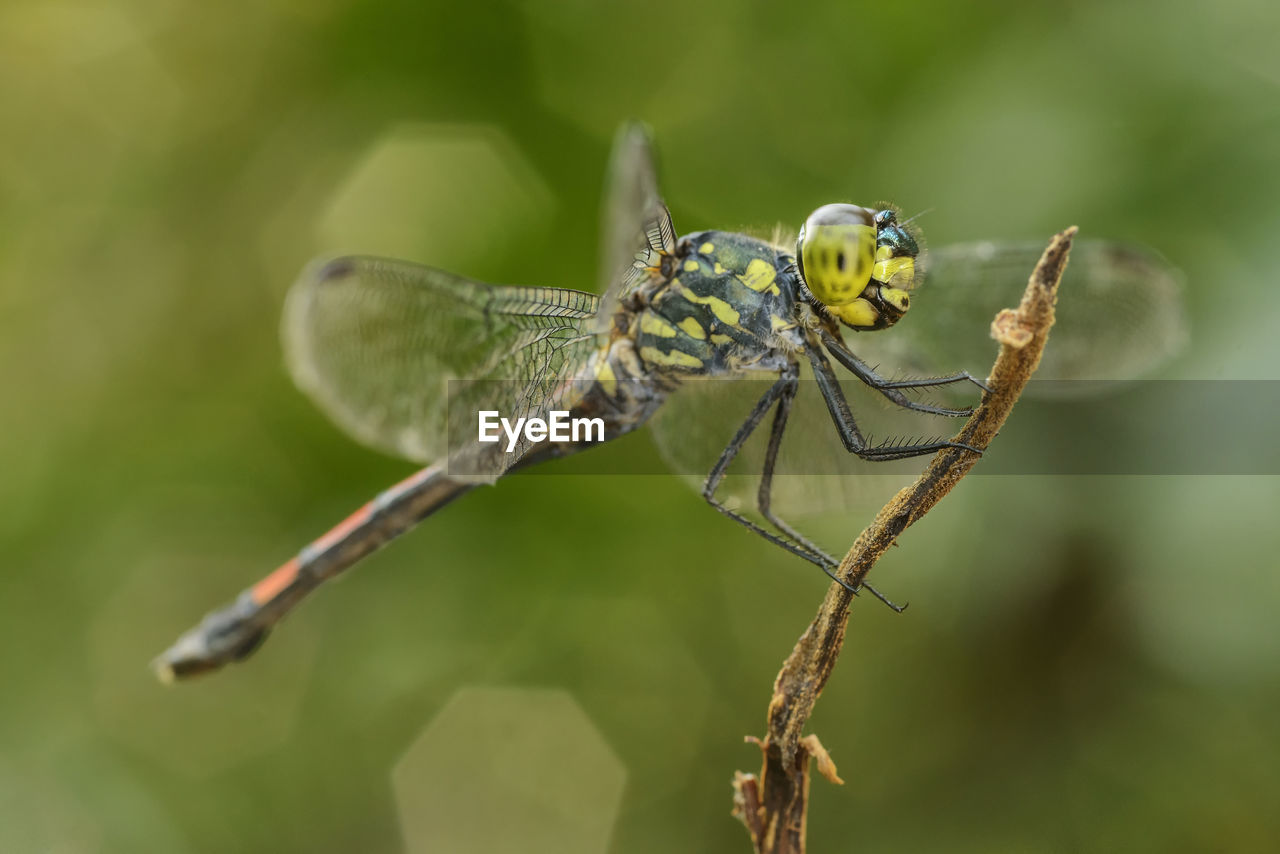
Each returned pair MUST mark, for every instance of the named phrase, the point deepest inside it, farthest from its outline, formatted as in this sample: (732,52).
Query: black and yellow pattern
(730,301)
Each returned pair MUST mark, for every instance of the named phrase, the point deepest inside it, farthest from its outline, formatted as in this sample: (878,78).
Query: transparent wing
(636,231)
(403,356)
(1121,313)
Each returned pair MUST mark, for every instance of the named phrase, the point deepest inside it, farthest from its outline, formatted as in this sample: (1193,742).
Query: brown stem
(774,806)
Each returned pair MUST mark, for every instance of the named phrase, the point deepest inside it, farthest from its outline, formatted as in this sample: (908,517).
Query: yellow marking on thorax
(724,312)
(707,248)
(691,266)
(655,325)
(693,328)
(760,276)
(676,358)
(606,377)
(720,340)
(779,323)
(719,269)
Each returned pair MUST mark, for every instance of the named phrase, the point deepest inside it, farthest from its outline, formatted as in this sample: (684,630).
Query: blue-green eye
(894,236)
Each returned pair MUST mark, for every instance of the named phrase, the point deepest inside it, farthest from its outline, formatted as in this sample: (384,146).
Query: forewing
(636,230)
(376,343)
(1120,313)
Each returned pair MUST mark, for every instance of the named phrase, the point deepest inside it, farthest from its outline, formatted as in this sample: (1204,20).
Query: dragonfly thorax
(728,303)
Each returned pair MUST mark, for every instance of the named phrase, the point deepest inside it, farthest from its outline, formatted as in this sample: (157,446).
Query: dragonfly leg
(764,498)
(784,388)
(847,426)
(785,385)
(890,388)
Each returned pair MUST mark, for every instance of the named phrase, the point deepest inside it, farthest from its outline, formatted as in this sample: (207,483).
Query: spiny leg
(786,384)
(845,355)
(764,498)
(890,388)
(847,426)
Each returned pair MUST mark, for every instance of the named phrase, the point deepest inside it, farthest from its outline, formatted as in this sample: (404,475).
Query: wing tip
(635,129)
(327,270)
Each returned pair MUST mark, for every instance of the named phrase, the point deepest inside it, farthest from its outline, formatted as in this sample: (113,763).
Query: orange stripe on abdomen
(340,531)
(271,586)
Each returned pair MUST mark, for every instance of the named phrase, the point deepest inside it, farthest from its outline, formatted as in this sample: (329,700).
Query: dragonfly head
(858,263)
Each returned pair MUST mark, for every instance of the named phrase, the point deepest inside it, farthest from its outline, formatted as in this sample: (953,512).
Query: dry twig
(774,805)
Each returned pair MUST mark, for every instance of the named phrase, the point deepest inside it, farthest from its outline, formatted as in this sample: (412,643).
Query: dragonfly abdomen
(620,389)
(233,632)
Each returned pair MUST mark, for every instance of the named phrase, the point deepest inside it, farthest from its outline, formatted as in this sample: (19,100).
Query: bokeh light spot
(509,769)
(38,814)
(626,662)
(440,193)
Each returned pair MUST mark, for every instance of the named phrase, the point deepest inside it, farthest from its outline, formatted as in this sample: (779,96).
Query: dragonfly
(405,358)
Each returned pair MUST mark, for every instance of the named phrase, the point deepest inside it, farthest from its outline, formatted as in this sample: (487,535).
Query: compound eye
(837,249)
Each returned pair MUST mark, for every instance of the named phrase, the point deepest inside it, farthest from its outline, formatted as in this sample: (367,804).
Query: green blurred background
(1089,663)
